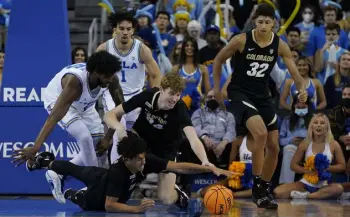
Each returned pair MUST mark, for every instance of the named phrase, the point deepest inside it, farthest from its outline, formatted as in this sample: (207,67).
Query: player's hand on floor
(22,155)
(102,146)
(145,205)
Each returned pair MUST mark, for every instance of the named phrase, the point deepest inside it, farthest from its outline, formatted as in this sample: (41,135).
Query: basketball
(218,199)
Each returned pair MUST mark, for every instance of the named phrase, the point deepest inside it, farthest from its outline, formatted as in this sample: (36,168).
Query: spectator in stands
(195,74)
(194,30)
(336,82)
(314,87)
(162,21)
(339,118)
(308,23)
(240,151)
(319,140)
(249,24)
(294,39)
(144,20)
(152,10)
(216,128)
(292,132)
(2,61)
(345,24)
(5,10)
(209,52)
(317,36)
(175,53)
(196,7)
(294,42)
(327,57)
(79,55)
(181,20)
(149,39)
(232,22)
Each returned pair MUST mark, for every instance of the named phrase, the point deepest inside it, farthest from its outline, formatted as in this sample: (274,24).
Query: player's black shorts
(164,154)
(164,151)
(243,108)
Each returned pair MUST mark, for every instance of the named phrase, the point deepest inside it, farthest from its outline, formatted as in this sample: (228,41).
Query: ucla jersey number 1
(123,76)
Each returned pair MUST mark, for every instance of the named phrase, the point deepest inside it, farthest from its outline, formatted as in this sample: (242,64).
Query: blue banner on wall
(37,47)
(19,128)
(203,180)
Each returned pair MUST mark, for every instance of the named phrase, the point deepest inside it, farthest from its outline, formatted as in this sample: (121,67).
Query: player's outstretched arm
(112,205)
(154,74)
(118,98)
(72,90)
(112,118)
(190,168)
(196,144)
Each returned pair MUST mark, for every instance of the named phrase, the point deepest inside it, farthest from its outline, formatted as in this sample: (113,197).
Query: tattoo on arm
(188,168)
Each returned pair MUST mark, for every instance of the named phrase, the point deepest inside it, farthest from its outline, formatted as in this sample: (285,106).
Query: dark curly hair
(131,146)
(122,15)
(103,63)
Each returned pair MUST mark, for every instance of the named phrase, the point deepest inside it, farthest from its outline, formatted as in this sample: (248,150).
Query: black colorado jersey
(253,67)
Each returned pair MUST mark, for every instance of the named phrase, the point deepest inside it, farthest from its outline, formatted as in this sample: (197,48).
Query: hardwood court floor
(21,206)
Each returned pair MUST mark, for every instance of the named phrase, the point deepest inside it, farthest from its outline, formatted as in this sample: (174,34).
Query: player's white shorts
(128,119)
(90,118)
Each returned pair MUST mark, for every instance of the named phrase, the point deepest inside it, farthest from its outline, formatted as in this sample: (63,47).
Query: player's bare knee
(260,136)
(258,129)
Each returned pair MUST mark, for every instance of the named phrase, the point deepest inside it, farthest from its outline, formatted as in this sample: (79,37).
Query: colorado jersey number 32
(258,70)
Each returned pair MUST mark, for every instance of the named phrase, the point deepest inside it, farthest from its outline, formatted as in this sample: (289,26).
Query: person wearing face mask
(327,57)
(292,132)
(335,83)
(339,118)
(216,128)
(317,36)
(307,25)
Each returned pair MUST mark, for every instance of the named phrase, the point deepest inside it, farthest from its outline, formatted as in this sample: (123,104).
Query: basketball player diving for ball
(163,123)
(135,57)
(110,189)
(70,99)
(251,104)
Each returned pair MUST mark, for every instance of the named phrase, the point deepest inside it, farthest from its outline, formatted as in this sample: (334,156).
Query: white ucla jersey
(244,154)
(132,76)
(88,97)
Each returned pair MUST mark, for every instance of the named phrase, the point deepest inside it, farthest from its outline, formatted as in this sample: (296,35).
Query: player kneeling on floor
(110,189)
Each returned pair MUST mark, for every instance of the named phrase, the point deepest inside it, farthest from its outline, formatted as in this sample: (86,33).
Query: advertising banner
(37,47)
(19,128)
